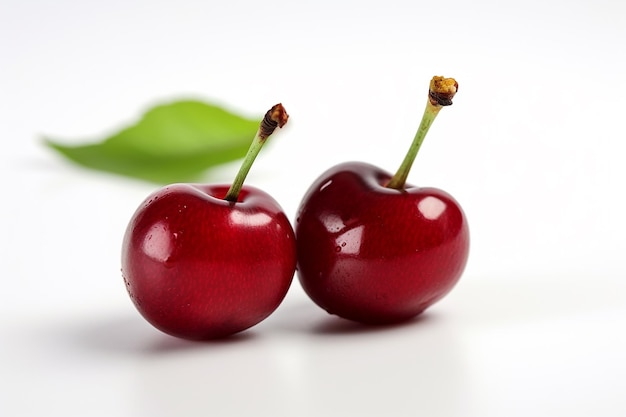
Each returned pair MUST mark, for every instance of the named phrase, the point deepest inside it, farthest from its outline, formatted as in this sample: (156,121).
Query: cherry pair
(208,261)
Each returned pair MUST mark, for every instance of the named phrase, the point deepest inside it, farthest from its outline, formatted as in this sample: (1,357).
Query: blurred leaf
(173,142)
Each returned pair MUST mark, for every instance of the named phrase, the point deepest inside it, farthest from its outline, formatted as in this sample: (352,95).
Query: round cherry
(207,261)
(374,249)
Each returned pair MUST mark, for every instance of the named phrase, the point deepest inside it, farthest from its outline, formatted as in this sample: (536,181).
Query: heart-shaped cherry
(207,261)
(375,250)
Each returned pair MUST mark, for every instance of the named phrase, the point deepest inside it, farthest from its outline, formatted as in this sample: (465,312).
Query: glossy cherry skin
(199,267)
(374,254)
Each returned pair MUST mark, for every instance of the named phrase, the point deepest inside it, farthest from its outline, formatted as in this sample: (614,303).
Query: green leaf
(172,142)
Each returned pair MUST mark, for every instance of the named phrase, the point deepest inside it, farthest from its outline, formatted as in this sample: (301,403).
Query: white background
(533,149)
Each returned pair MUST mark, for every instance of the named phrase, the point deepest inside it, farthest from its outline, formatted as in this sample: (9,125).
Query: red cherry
(206,261)
(375,250)
(374,254)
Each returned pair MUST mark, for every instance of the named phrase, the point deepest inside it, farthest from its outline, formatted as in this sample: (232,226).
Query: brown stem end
(275,117)
(442,91)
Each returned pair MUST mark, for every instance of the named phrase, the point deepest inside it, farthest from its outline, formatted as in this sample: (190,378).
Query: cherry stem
(440,94)
(275,117)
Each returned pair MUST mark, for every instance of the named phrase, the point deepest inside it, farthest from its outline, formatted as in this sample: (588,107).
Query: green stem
(440,94)
(253,151)
(275,117)
(399,179)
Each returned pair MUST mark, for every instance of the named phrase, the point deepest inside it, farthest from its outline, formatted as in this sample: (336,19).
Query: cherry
(207,261)
(374,249)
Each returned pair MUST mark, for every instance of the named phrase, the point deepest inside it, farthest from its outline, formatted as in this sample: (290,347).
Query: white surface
(533,149)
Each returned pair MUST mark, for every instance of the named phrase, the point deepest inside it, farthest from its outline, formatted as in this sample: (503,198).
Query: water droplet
(343,244)
(338,249)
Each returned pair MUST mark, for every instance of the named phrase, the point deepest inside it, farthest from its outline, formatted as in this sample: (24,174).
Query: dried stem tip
(442,91)
(275,117)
